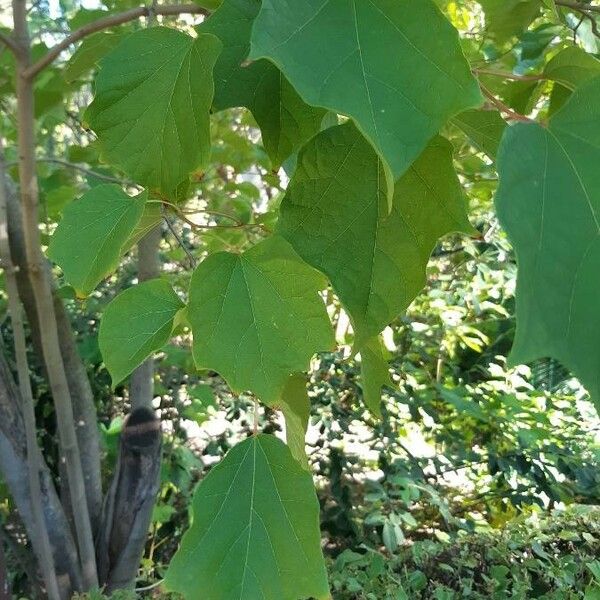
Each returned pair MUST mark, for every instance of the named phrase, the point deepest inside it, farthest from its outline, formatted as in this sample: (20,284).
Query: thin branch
(580,6)
(180,242)
(216,213)
(45,558)
(8,41)
(593,22)
(512,76)
(106,23)
(79,167)
(511,114)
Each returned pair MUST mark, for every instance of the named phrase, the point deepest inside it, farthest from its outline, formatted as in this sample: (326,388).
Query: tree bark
(130,501)
(43,299)
(84,410)
(15,470)
(41,541)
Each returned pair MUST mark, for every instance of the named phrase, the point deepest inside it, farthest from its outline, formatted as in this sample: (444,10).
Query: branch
(511,114)
(86,171)
(511,76)
(106,23)
(574,5)
(9,42)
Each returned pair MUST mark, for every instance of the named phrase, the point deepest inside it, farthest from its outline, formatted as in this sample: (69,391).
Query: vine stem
(511,114)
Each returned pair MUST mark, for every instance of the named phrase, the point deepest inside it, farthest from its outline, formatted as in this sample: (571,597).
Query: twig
(512,76)
(216,213)
(580,6)
(147,588)
(8,41)
(237,223)
(587,12)
(107,22)
(180,242)
(79,167)
(511,114)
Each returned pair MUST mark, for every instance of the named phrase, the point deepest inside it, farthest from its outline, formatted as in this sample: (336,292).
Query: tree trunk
(84,410)
(141,388)
(42,292)
(130,501)
(15,468)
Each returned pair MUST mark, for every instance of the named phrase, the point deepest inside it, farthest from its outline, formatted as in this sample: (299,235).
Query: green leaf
(339,222)
(375,373)
(507,18)
(255,530)
(257,317)
(295,405)
(151,218)
(151,107)
(135,324)
(484,128)
(91,50)
(396,68)
(88,242)
(549,202)
(572,67)
(285,120)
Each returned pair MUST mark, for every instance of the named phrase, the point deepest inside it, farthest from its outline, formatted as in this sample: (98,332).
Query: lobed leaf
(151,107)
(375,373)
(285,120)
(548,200)
(257,317)
(375,61)
(339,223)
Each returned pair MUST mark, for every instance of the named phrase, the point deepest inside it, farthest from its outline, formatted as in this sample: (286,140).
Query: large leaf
(335,215)
(135,324)
(151,107)
(88,242)
(549,202)
(255,532)
(257,317)
(285,120)
(395,67)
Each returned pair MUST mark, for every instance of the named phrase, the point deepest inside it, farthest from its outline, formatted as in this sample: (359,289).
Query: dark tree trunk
(129,502)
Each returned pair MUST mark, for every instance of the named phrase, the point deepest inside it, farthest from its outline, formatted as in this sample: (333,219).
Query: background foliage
(481,479)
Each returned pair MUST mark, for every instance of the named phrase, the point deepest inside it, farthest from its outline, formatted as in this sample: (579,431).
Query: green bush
(550,556)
